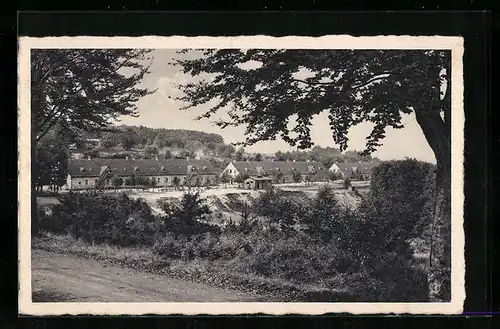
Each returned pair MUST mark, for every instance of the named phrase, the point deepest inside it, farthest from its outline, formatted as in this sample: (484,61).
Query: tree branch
(376,77)
(48,117)
(43,133)
(312,83)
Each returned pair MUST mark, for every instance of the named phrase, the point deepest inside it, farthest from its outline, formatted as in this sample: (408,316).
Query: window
(158,179)
(79,183)
(86,182)
(166,179)
(230,171)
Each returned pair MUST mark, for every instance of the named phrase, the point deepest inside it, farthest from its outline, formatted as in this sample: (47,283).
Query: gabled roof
(273,167)
(259,178)
(364,167)
(142,167)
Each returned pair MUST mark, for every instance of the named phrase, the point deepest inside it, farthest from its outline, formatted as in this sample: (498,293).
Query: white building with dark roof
(363,170)
(93,173)
(279,171)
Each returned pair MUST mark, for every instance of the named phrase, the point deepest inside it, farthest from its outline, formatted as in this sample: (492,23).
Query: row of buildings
(100,173)
(96,173)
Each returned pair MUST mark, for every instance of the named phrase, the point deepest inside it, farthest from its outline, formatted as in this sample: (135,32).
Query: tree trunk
(36,97)
(437,133)
(440,258)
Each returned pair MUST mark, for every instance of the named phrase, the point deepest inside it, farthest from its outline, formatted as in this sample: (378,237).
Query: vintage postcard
(241,175)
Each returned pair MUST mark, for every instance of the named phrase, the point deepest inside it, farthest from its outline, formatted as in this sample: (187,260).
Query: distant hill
(144,142)
(140,141)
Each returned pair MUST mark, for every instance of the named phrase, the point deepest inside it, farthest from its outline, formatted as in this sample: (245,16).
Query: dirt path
(59,277)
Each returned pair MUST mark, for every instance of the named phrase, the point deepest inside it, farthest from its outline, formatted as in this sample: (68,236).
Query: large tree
(84,88)
(264,89)
(51,164)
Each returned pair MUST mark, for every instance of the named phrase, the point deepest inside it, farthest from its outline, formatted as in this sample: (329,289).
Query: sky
(161,110)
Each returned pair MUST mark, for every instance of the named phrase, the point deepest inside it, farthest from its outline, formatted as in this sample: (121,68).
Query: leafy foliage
(187,217)
(239,154)
(351,85)
(99,218)
(117,181)
(326,155)
(393,211)
(85,88)
(109,140)
(283,211)
(296,176)
(51,164)
(276,93)
(328,220)
(151,151)
(127,140)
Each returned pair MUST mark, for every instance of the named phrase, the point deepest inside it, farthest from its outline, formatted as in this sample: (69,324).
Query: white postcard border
(455,44)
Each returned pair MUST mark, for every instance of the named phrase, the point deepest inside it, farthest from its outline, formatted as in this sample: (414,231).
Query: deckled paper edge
(455,44)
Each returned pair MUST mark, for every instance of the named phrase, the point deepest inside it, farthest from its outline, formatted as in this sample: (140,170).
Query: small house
(278,171)
(359,170)
(258,183)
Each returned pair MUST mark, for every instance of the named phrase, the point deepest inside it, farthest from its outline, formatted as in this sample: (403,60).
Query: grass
(216,273)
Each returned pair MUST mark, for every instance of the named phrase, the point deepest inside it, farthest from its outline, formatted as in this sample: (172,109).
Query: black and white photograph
(241,175)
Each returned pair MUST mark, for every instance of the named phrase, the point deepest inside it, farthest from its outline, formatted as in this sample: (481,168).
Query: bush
(399,205)
(328,219)
(117,181)
(51,223)
(186,217)
(283,211)
(98,218)
(91,153)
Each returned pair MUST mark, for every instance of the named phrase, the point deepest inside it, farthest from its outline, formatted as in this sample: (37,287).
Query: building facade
(101,173)
(354,170)
(278,171)
(258,183)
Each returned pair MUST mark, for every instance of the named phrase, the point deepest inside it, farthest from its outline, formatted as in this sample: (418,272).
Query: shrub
(283,211)
(117,182)
(98,218)
(186,217)
(399,205)
(329,219)
(51,223)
